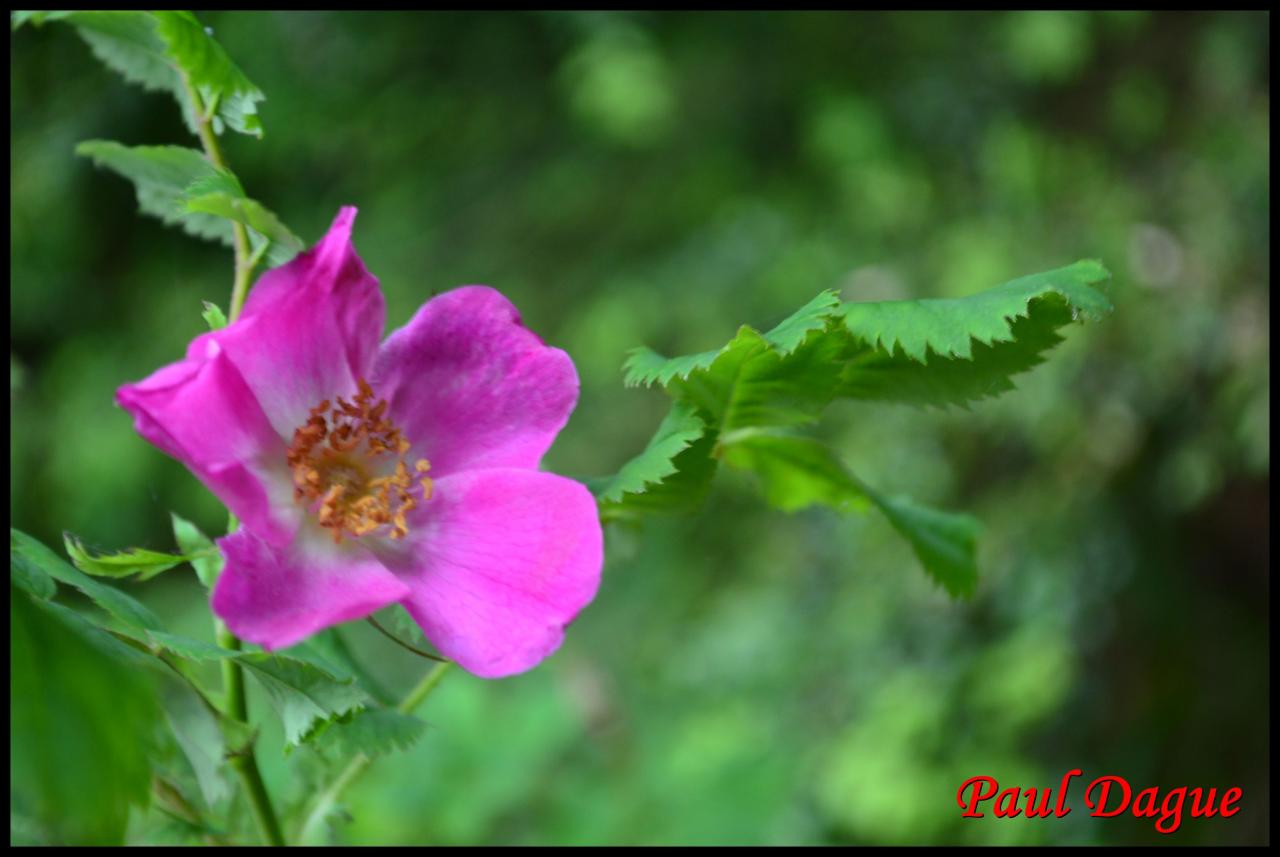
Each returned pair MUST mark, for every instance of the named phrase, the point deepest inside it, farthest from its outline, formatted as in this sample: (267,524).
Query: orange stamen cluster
(331,457)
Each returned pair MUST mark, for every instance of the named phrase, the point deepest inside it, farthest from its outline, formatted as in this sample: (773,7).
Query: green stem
(237,706)
(255,789)
(356,767)
(245,260)
(423,688)
(245,764)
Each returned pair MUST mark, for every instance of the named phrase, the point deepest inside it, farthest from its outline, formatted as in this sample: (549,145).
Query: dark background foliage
(746,676)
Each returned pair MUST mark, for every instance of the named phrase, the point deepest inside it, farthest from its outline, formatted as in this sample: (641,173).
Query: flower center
(342,458)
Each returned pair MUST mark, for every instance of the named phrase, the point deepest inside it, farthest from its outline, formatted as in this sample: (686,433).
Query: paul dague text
(1105,797)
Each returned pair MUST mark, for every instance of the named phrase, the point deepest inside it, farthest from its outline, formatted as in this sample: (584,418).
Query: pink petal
(471,387)
(499,563)
(201,412)
(277,596)
(308,330)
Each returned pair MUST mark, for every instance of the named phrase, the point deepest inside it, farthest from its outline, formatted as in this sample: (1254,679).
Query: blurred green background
(745,676)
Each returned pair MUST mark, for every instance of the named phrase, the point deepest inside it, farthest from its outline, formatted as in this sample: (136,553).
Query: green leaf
(680,428)
(121,606)
(880,376)
(189,648)
(18,18)
(944,542)
(140,561)
(161,176)
(110,643)
(795,328)
(949,326)
(30,578)
(935,352)
(214,316)
(329,651)
(957,350)
(783,377)
(207,560)
(303,695)
(206,65)
(201,740)
(158,51)
(758,384)
(284,244)
(128,43)
(680,491)
(81,726)
(179,186)
(219,181)
(646,367)
(373,732)
(795,472)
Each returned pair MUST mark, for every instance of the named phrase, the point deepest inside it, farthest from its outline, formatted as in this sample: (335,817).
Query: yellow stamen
(332,455)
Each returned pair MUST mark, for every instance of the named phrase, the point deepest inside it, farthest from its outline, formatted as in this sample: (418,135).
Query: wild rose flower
(365,474)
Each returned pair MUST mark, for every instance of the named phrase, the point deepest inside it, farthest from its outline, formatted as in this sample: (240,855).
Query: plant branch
(246,764)
(245,259)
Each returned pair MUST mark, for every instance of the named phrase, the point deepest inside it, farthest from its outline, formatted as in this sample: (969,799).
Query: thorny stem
(356,767)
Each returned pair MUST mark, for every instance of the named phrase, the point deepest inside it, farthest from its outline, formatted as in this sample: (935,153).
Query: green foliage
(146,564)
(328,651)
(186,647)
(282,245)
(645,367)
(949,326)
(207,560)
(161,176)
(734,402)
(372,732)
(951,351)
(679,429)
(167,51)
(944,542)
(180,186)
(797,472)
(794,472)
(202,742)
(214,316)
(82,722)
(304,696)
(223,88)
(127,43)
(103,736)
(121,606)
(30,578)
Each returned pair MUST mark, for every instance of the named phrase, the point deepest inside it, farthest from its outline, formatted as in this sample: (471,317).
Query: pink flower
(366,474)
